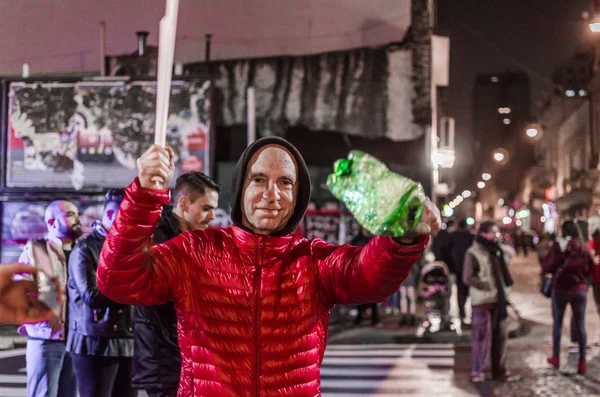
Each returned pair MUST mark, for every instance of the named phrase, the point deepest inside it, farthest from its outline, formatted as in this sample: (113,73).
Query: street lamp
(532,132)
(500,156)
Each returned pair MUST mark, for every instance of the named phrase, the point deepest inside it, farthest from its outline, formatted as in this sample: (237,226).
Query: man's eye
(258,180)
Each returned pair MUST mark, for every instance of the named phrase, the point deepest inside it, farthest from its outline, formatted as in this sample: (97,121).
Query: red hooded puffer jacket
(253,310)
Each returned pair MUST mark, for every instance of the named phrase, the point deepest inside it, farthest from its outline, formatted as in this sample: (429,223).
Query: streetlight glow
(466,194)
(486,176)
(532,132)
(498,156)
(481,184)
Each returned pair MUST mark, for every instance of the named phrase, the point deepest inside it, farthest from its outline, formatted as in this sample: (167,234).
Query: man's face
(66,222)
(270,189)
(202,211)
(110,214)
(493,235)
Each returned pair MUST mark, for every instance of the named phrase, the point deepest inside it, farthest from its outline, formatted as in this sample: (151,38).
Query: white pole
(25,73)
(102,48)
(251,137)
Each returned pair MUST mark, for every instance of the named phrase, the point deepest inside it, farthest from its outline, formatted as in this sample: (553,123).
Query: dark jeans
(99,376)
(577,300)
(361,312)
(155,393)
(490,335)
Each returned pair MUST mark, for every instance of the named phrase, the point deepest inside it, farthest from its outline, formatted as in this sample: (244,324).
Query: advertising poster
(89,134)
(22,221)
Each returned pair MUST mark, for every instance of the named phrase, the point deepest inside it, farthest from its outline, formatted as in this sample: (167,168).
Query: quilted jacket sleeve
(131,270)
(351,275)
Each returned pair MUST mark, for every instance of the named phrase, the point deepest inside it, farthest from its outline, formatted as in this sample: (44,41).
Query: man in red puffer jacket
(252,300)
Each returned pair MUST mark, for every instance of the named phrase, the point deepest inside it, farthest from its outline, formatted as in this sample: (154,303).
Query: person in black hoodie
(157,358)
(100,337)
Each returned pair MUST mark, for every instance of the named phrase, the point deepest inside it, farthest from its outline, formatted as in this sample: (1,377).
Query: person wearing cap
(252,300)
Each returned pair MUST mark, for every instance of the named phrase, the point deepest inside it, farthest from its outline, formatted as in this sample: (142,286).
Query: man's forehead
(269,154)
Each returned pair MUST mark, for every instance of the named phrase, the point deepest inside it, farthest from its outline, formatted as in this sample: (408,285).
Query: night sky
(491,36)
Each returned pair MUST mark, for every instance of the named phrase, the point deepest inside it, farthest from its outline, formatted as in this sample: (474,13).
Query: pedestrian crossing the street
(384,370)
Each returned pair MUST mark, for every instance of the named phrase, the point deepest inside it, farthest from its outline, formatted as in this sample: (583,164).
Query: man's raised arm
(130,270)
(371,273)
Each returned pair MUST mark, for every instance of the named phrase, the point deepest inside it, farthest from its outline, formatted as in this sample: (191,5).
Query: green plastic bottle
(382,201)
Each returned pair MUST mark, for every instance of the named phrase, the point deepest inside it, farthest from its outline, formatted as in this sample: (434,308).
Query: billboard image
(89,134)
(22,221)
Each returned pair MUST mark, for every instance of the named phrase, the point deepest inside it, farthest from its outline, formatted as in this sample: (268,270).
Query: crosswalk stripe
(396,372)
(13,378)
(391,353)
(13,392)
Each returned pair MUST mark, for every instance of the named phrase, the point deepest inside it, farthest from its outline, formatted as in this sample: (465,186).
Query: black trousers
(162,393)
(99,376)
(361,311)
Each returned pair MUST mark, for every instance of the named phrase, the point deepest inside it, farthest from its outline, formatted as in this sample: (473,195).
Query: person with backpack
(571,264)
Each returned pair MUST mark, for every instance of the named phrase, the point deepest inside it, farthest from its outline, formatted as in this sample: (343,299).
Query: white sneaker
(388,310)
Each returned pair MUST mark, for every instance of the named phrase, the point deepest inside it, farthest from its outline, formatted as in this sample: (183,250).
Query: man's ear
(183,203)
(52,224)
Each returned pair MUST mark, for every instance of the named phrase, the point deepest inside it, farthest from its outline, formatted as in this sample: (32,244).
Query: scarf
(498,257)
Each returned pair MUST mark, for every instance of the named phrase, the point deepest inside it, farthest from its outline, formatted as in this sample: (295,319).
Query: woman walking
(571,263)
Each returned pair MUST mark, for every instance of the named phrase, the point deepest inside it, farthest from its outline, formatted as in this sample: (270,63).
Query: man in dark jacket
(462,240)
(100,337)
(157,359)
(441,246)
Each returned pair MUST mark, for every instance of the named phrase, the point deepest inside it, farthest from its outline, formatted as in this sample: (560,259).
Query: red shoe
(554,361)
(582,367)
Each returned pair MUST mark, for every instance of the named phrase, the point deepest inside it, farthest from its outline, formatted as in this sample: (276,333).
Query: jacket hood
(304,185)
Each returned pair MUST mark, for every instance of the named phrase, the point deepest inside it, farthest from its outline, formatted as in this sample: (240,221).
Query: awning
(577,198)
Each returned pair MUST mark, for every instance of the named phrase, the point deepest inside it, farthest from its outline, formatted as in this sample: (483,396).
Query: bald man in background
(49,367)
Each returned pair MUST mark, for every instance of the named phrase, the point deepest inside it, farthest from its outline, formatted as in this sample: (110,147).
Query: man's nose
(272,192)
(211,215)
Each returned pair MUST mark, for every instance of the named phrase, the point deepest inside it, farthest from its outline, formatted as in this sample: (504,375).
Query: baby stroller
(435,291)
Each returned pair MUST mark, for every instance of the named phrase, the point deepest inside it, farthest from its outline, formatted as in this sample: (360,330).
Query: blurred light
(545,206)
(494,79)
(500,202)
(444,158)
(595,24)
(543,219)
(506,121)
(582,93)
(506,220)
(466,194)
(518,222)
(480,184)
(511,212)
(570,93)
(523,214)
(460,199)
(504,110)
(499,156)
(451,204)
(532,132)
(486,176)
(447,211)
(470,221)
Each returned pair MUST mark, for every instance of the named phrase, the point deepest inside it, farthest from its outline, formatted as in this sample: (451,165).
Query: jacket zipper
(257,282)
